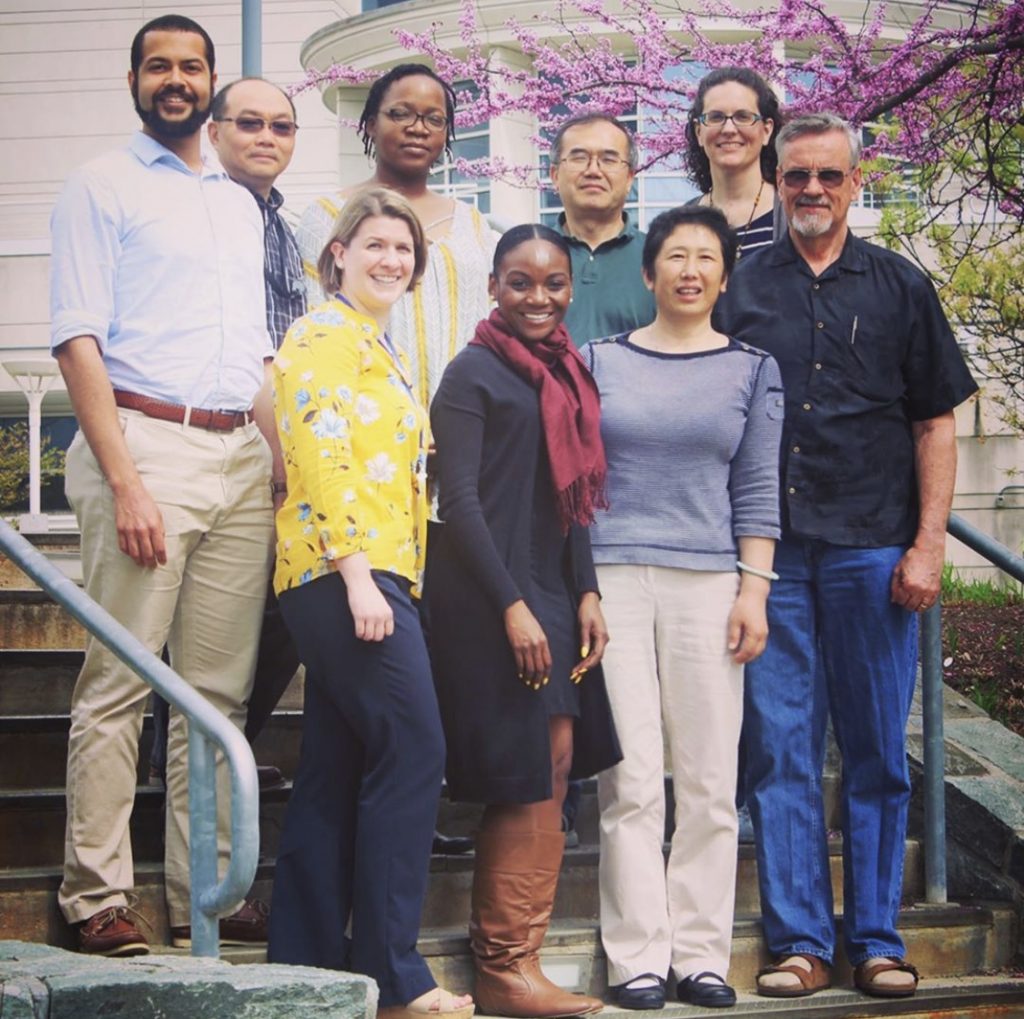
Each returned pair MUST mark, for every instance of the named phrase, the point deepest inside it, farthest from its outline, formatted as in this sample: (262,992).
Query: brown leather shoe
(246,927)
(112,931)
(269,777)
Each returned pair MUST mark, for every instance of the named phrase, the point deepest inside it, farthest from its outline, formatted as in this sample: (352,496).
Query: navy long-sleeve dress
(501,540)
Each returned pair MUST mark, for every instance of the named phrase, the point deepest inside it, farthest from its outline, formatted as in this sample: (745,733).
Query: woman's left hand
(593,634)
(748,625)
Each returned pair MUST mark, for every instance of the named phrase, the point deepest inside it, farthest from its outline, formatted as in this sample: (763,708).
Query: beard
(807,224)
(163,128)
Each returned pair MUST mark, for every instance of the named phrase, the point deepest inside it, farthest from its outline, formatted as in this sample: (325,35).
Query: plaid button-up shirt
(282,268)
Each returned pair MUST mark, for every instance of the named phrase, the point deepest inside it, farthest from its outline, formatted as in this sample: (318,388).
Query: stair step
(32,825)
(63,550)
(40,681)
(941,940)
(448,892)
(31,619)
(33,748)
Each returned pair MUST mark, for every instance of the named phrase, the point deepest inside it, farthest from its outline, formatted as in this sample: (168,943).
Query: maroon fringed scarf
(570,413)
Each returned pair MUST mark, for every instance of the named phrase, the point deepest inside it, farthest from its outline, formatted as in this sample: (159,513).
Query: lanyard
(385,341)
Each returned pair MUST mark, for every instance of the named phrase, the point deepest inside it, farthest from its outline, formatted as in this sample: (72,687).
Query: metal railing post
(208,729)
(202,827)
(934,756)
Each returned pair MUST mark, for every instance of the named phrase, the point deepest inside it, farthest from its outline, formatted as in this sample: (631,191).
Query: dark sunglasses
(798,179)
(253,125)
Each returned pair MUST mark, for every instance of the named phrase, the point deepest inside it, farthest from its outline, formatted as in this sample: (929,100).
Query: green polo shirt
(608,292)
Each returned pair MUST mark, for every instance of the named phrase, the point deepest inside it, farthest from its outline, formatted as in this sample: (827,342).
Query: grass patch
(956,589)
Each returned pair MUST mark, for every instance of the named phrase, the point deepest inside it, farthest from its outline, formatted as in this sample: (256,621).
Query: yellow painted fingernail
(544,681)
(584,651)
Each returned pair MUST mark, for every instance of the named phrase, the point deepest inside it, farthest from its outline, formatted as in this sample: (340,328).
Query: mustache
(175,90)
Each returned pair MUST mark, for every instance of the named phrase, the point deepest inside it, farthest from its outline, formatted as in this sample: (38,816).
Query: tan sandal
(864,977)
(436,1002)
(817,978)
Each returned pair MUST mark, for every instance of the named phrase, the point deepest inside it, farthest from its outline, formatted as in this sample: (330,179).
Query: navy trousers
(360,820)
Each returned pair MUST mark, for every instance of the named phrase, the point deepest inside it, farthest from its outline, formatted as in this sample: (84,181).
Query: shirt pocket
(871,359)
(775,404)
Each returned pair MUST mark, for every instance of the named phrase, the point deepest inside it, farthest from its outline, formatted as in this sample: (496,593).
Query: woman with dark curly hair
(730,152)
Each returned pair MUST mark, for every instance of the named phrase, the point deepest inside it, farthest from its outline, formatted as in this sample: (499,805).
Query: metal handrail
(931,705)
(208,729)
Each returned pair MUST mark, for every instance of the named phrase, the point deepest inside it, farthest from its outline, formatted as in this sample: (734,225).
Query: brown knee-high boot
(513,894)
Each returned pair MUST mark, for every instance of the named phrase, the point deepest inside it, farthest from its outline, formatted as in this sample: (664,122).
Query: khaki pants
(667,666)
(205,604)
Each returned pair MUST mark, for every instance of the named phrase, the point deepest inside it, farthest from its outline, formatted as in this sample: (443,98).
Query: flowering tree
(950,81)
(938,85)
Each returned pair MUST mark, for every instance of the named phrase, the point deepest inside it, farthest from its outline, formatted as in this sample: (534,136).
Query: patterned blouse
(355,441)
(434,322)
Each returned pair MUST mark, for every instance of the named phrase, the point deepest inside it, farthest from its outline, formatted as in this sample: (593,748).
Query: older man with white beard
(872,375)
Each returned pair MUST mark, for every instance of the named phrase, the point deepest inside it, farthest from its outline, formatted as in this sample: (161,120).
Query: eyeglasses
(406,118)
(716,118)
(799,179)
(253,125)
(580,159)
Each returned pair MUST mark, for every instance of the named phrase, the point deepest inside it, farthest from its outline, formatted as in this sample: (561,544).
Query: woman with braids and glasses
(730,153)
(407,125)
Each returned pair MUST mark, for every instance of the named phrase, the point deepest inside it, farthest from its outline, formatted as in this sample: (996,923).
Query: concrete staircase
(40,653)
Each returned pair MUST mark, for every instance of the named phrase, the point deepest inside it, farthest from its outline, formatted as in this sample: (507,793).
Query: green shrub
(14,464)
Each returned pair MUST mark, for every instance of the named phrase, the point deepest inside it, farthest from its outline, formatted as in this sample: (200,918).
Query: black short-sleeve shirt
(864,350)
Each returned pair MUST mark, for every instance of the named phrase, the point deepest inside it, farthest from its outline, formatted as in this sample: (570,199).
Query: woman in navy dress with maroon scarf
(516,627)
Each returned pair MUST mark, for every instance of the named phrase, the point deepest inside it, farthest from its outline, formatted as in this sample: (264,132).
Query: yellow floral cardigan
(354,440)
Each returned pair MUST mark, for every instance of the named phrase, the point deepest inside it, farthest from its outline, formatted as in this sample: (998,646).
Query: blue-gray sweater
(693,453)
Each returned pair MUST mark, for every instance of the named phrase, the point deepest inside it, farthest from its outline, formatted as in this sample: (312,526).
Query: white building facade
(63,69)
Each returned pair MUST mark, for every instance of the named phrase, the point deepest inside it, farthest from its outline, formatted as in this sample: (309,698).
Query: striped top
(434,322)
(758,234)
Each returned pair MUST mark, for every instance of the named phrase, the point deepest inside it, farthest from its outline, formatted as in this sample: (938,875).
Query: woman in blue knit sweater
(691,422)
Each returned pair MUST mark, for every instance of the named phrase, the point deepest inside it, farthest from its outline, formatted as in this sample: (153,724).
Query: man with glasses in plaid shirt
(253,127)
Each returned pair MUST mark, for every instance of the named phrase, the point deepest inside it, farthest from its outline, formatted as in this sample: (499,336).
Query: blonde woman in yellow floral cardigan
(357,835)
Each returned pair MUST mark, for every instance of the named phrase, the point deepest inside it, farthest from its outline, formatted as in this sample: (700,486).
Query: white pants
(205,603)
(667,665)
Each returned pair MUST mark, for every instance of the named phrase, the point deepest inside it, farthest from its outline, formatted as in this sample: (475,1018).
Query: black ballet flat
(640,998)
(698,990)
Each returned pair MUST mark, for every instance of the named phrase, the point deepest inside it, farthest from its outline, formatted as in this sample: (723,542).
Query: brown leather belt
(212,420)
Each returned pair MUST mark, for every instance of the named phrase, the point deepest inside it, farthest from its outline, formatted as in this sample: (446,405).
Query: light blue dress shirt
(164,267)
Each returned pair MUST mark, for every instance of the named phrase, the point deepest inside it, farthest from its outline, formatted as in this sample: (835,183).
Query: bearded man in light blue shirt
(158,324)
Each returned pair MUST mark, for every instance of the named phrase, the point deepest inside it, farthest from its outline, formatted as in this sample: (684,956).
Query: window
(898,187)
(471,142)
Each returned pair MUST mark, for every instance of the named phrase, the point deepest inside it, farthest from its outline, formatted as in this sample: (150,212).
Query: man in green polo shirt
(593,162)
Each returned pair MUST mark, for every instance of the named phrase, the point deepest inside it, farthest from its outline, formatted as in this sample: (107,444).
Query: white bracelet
(755,572)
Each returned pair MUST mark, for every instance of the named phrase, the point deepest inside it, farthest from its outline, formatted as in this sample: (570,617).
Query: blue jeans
(836,644)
